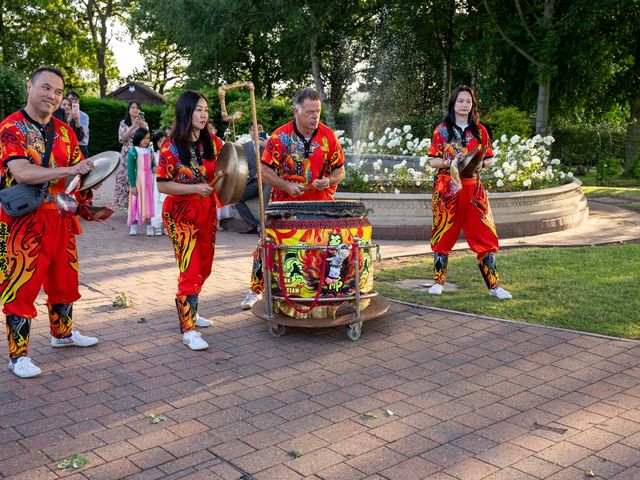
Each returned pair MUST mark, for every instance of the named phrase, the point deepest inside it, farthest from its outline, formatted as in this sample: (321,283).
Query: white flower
(515,139)
(387,130)
(409,136)
(406,128)
(562,175)
(423,160)
(503,138)
(511,178)
(535,159)
(370,135)
(537,138)
(396,191)
(526,164)
(377,165)
(570,174)
(555,161)
(365,177)
(526,183)
(397,166)
(548,140)
(382,141)
(339,133)
(500,183)
(494,145)
(498,174)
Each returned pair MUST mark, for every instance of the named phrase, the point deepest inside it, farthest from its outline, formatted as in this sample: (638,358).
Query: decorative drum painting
(317,274)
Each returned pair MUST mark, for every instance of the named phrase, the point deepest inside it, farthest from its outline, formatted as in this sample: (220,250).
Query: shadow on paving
(422,393)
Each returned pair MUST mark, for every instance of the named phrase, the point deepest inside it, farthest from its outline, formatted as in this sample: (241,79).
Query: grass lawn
(630,194)
(592,289)
(590,180)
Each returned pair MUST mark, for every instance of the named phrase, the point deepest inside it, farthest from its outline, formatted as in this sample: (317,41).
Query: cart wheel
(354,330)
(276,330)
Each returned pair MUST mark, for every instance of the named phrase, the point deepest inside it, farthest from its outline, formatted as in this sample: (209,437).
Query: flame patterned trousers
(191,223)
(468,211)
(37,250)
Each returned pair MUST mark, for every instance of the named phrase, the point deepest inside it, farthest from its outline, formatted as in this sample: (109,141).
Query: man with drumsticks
(38,248)
(304,162)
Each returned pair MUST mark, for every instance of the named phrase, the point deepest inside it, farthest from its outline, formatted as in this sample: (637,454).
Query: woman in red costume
(186,173)
(461,204)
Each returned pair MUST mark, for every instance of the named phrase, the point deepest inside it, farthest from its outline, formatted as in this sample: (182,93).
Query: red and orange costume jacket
(295,159)
(464,142)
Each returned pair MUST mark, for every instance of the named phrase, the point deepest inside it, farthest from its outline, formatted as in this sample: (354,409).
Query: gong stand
(222,92)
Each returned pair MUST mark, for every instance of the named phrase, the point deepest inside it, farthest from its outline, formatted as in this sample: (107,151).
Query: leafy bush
(634,168)
(607,169)
(524,164)
(105,116)
(13,91)
(581,146)
(508,121)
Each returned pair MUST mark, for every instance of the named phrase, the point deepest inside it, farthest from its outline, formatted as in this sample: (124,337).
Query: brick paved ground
(466,393)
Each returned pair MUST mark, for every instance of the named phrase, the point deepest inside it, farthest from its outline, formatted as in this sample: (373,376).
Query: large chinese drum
(314,256)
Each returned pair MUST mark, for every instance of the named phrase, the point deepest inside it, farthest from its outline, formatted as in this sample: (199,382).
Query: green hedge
(582,146)
(105,116)
(13,91)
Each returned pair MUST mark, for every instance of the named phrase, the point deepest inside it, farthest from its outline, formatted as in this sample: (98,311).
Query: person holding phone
(132,122)
(251,190)
(83,121)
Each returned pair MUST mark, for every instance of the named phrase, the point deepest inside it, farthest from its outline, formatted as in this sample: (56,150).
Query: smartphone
(141,115)
(75,108)
(263,135)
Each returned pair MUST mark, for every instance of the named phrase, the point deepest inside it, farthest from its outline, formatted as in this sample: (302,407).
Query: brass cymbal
(104,164)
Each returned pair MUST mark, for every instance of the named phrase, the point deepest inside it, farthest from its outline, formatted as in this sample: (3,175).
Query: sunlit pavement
(422,394)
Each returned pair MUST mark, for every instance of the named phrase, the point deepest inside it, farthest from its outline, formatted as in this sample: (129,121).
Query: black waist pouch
(21,198)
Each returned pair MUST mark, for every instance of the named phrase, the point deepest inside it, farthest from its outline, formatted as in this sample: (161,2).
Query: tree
(29,38)
(98,14)
(532,30)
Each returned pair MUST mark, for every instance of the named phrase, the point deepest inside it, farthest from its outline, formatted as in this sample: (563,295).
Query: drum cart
(277,322)
(353,320)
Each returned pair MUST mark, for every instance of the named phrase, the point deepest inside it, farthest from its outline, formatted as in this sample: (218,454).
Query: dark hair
(450,119)
(303,94)
(73,94)
(53,70)
(259,125)
(156,138)
(182,127)
(127,117)
(139,135)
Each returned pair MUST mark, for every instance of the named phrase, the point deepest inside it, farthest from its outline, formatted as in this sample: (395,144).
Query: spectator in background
(251,191)
(70,117)
(132,121)
(158,228)
(74,98)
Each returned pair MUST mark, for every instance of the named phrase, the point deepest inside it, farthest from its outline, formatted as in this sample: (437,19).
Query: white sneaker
(500,293)
(23,368)
(250,299)
(436,289)
(164,231)
(157,231)
(202,322)
(133,230)
(194,341)
(150,231)
(75,340)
